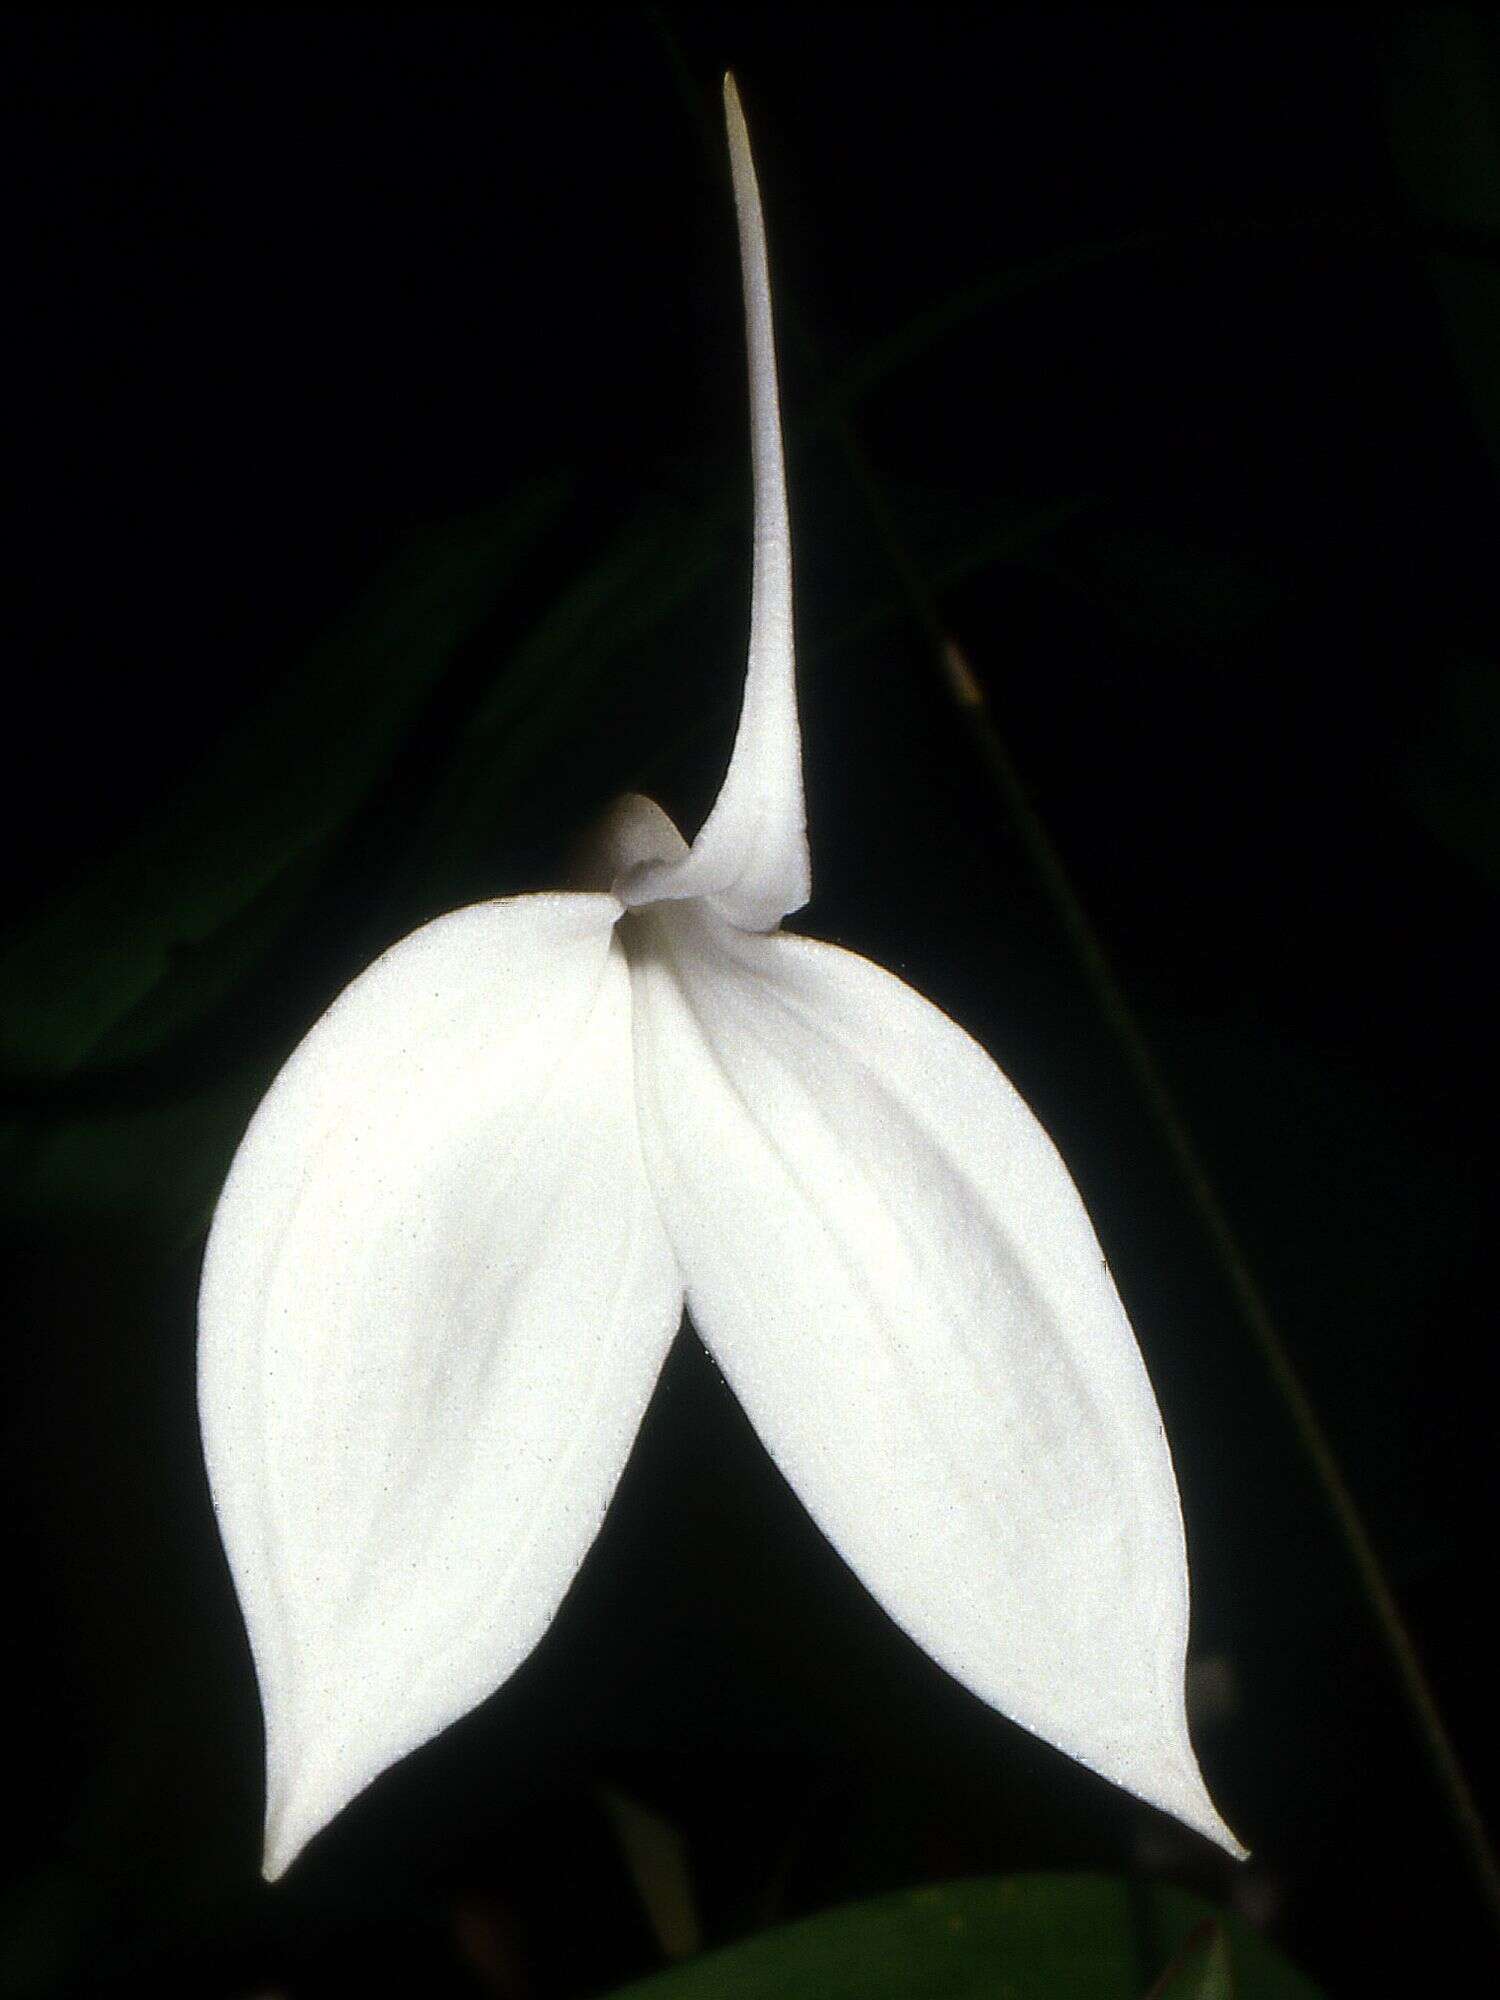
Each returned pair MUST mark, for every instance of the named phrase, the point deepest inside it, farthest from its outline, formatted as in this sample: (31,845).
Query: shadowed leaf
(168,923)
(1029,1937)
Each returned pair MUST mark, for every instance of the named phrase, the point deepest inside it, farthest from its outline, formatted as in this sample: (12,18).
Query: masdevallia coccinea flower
(456,1241)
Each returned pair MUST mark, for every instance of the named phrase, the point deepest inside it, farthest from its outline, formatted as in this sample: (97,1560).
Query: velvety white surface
(888,1259)
(436,1299)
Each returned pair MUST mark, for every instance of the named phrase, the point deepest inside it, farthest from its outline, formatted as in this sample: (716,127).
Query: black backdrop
(1153,356)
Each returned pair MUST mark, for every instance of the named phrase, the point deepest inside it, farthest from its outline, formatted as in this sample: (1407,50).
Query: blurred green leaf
(1202,1970)
(1026,1937)
(166,926)
(1451,779)
(158,1167)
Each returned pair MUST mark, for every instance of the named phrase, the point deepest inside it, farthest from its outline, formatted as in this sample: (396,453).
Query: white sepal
(436,1299)
(750,859)
(888,1259)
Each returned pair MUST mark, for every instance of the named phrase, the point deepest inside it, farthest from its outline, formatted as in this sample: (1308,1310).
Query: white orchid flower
(456,1241)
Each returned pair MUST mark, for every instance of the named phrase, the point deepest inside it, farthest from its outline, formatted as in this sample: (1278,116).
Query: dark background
(1156,357)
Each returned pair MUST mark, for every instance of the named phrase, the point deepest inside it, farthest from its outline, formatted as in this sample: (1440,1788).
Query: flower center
(633,833)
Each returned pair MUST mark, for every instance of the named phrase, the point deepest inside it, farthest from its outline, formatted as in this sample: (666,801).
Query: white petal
(751,856)
(889,1261)
(435,1300)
